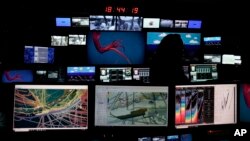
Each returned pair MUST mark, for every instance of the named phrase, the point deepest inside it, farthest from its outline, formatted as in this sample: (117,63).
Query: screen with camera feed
(131,105)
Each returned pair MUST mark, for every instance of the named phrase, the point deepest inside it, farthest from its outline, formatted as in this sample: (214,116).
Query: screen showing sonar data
(50,107)
(131,106)
(198,105)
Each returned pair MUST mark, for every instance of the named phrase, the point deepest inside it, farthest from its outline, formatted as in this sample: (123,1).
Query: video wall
(94,71)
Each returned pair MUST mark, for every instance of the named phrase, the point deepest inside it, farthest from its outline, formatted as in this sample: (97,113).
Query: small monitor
(50,107)
(167,23)
(194,24)
(201,105)
(35,54)
(63,22)
(151,23)
(144,139)
(212,58)
(102,22)
(172,138)
(245,103)
(59,40)
(80,21)
(159,138)
(14,76)
(77,39)
(203,72)
(50,75)
(212,41)
(186,137)
(131,106)
(115,74)
(141,74)
(129,23)
(230,59)
(84,73)
(181,24)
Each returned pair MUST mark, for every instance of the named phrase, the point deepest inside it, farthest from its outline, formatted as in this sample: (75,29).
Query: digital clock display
(121,10)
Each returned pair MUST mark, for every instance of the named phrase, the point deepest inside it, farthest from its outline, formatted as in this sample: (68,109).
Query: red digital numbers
(108,9)
(121,9)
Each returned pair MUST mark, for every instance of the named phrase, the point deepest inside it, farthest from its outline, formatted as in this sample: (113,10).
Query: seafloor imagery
(137,108)
(50,108)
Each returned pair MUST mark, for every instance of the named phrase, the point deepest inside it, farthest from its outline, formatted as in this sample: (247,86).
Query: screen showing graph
(131,105)
(205,105)
(50,107)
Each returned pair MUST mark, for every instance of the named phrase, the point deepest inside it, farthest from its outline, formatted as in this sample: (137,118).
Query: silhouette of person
(167,61)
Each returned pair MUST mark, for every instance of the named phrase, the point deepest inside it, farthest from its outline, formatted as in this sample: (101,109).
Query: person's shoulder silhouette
(167,61)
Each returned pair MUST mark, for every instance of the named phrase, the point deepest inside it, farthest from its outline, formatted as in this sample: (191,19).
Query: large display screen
(115,48)
(198,105)
(50,107)
(131,106)
(191,42)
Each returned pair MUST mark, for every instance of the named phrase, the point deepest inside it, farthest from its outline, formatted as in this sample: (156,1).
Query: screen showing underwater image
(115,48)
(191,43)
(197,105)
(131,105)
(50,107)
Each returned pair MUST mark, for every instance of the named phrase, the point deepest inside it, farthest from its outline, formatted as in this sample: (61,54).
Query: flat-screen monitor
(63,22)
(115,74)
(212,41)
(35,54)
(115,48)
(191,43)
(129,23)
(181,24)
(50,75)
(59,40)
(159,138)
(230,59)
(245,103)
(83,73)
(77,39)
(151,22)
(212,58)
(141,74)
(80,21)
(186,137)
(200,105)
(172,138)
(50,107)
(194,24)
(131,105)
(203,72)
(13,76)
(167,23)
(102,22)
(144,139)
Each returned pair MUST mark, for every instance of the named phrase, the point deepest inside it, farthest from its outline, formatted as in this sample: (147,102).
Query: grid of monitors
(131,105)
(141,74)
(77,74)
(115,74)
(50,107)
(245,103)
(203,72)
(200,105)
(38,55)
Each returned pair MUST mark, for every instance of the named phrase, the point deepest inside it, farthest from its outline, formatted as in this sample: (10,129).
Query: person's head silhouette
(168,60)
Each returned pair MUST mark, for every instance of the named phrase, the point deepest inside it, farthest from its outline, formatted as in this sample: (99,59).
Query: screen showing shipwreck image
(131,106)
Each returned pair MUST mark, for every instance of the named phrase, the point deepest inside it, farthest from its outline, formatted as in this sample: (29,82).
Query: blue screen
(116,48)
(81,70)
(194,24)
(38,55)
(63,22)
(186,137)
(191,42)
(245,103)
(10,76)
